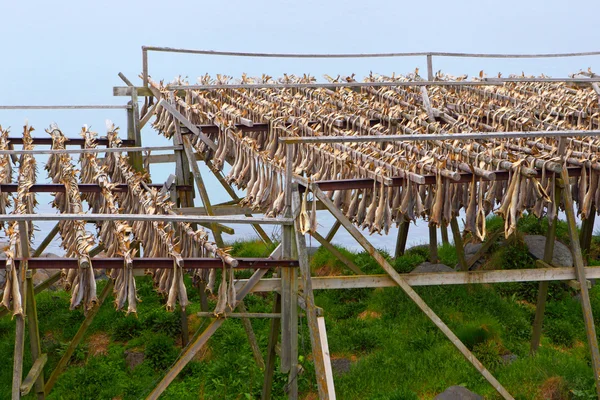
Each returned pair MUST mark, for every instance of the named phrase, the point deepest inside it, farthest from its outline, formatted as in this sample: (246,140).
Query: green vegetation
(394,350)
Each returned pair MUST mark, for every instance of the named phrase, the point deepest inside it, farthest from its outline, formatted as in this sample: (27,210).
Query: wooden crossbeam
(34,373)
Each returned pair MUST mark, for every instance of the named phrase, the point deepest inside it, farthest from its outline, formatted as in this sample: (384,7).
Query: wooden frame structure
(294,286)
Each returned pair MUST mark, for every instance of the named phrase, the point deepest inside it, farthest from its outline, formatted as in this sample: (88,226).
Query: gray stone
(341,366)
(472,248)
(133,358)
(562,256)
(429,267)
(509,358)
(458,393)
(40,276)
(49,255)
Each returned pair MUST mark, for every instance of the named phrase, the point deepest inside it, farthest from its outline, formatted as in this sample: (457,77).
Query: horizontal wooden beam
(47,141)
(147,217)
(155,263)
(436,136)
(83,187)
(208,314)
(435,278)
(96,150)
(128,90)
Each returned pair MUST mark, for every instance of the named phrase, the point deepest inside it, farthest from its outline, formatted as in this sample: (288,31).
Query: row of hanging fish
(75,239)
(115,236)
(257,158)
(23,203)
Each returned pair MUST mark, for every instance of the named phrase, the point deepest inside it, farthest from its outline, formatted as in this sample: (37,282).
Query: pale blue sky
(69,52)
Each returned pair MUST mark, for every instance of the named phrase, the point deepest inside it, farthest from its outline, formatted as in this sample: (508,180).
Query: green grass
(396,350)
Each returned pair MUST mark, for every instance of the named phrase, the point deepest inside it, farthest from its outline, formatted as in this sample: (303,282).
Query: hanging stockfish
(5,171)
(24,203)
(114,235)
(76,241)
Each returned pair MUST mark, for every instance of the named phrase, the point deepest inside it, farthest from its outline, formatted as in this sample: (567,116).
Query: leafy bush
(160,351)
(561,332)
(126,328)
(159,320)
(473,334)
(488,353)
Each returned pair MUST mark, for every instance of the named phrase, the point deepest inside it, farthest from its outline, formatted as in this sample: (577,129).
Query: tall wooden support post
(274,328)
(320,349)
(429,67)
(587,231)
(402,237)
(433,245)
(20,319)
(34,334)
(289,292)
(590,329)
(543,286)
(444,231)
(458,244)
(133,130)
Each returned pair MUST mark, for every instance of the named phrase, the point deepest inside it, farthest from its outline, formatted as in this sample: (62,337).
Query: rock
(429,267)
(472,248)
(133,358)
(341,366)
(562,256)
(40,276)
(49,255)
(509,358)
(458,393)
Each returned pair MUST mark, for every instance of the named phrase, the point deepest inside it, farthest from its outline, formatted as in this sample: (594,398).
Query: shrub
(160,351)
(488,353)
(561,332)
(472,334)
(159,320)
(126,328)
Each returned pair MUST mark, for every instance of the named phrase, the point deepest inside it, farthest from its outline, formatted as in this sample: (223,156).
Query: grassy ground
(394,351)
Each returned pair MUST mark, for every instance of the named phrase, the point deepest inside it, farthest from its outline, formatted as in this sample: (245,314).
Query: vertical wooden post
(275,325)
(444,231)
(289,291)
(587,231)
(458,245)
(590,329)
(20,319)
(433,250)
(133,131)
(323,374)
(429,67)
(402,237)
(34,334)
(543,286)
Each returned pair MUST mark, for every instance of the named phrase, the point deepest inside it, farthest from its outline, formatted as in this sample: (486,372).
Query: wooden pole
(321,371)
(402,237)
(429,67)
(34,334)
(433,245)
(64,360)
(46,241)
(590,329)
(336,253)
(587,231)
(271,352)
(356,234)
(444,231)
(543,286)
(333,231)
(458,245)
(20,319)
(251,336)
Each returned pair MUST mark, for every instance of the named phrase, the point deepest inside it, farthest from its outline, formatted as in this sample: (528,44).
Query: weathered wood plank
(34,373)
